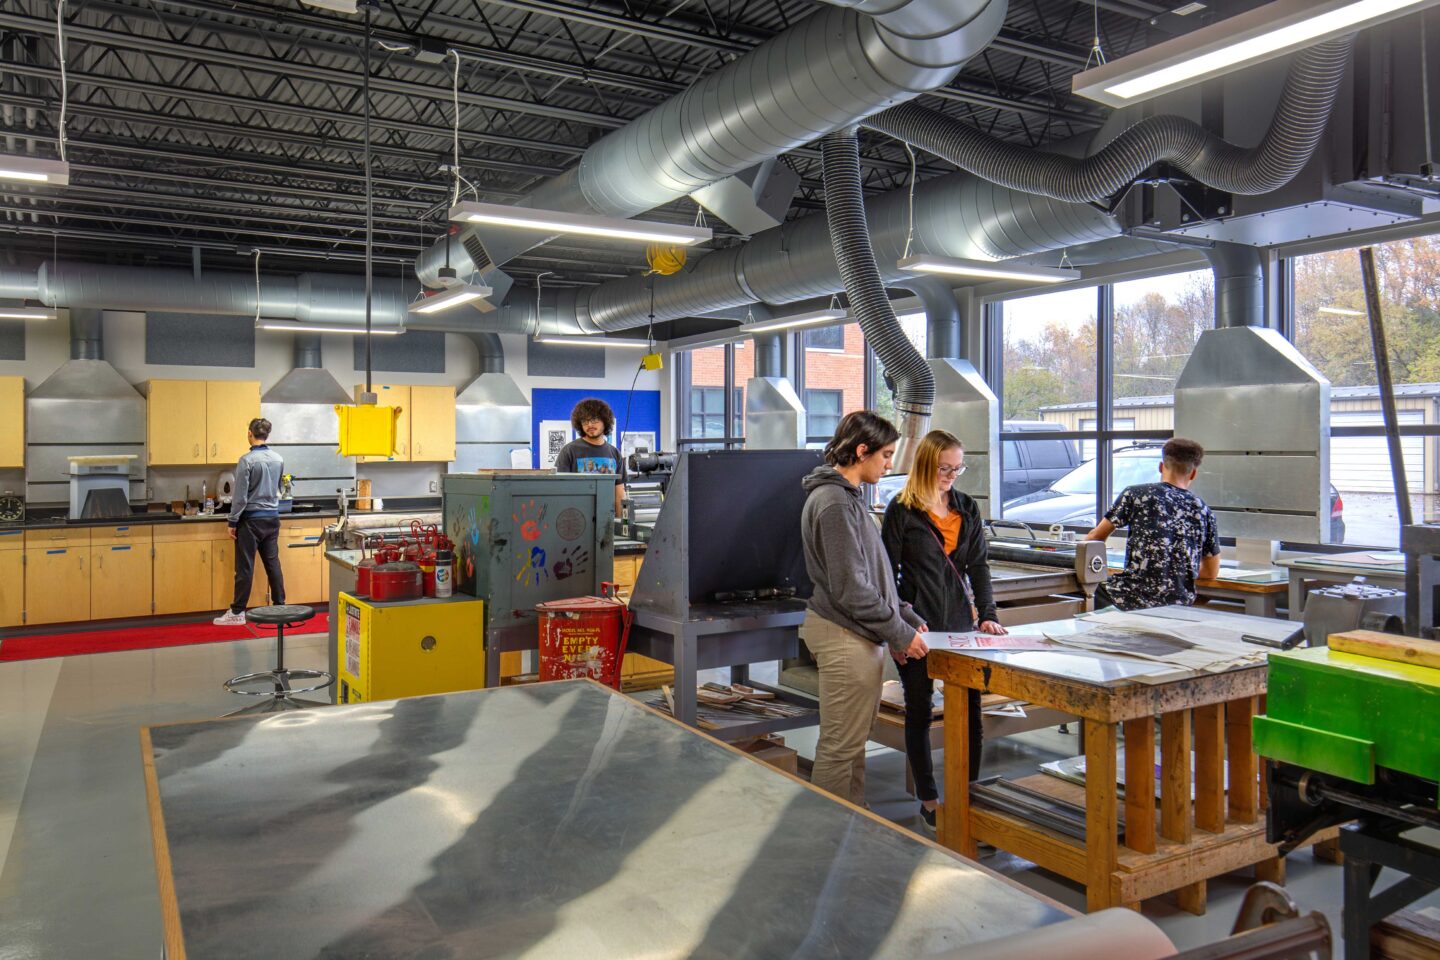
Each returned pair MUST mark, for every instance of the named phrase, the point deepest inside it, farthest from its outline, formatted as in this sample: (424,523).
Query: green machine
(1353,741)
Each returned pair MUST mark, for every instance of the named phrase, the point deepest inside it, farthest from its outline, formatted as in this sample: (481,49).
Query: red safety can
(583,637)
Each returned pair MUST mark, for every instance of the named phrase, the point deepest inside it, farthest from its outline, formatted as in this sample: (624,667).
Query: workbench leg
(1272,870)
(1329,851)
(1296,597)
(1100,812)
(954,816)
(1175,820)
(685,678)
(1355,916)
(1210,767)
(492,667)
(1240,751)
(1191,898)
(1140,784)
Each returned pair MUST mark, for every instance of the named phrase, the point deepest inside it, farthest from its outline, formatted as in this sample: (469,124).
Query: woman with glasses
(936,542)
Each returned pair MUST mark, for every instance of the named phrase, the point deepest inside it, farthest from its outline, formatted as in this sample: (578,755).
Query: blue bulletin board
(557,404)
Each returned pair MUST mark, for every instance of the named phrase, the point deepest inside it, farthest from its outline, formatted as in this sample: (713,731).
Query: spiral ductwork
(850,238)
(823,73)
(1309,95)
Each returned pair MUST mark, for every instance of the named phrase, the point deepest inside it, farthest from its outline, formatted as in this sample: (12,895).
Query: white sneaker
(229,619)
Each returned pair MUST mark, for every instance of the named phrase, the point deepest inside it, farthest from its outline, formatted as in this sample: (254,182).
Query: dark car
(1071,499)
(1027,465)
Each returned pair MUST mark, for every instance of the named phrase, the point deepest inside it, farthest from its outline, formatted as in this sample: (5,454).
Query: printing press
(1025,566)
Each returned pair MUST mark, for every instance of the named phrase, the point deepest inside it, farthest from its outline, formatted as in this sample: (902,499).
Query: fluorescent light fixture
(294,326)
(596,341)
(1264,33)
(559,221)
(808,319)
(984,269)
(34,170)
(339,6)
(1341,312)
(454,297)
(27,313)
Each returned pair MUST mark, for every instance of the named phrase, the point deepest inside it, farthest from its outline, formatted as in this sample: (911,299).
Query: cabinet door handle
(197,449)
(102,561)
(214,449)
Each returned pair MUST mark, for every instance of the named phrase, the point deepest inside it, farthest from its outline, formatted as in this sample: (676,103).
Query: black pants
(915,680)
(1103,598)
(251,534)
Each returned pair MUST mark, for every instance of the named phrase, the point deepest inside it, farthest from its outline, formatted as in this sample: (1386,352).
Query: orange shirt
(949,530)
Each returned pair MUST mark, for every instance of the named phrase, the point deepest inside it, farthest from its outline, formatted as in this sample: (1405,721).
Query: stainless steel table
(556,820)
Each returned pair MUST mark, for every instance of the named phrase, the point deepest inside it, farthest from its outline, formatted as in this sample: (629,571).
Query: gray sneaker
(229,619)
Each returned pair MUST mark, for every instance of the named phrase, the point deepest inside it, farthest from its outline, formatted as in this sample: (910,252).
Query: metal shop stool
(276,685)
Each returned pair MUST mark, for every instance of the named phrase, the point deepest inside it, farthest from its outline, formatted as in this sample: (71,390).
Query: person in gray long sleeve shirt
(255,521)
(854,615)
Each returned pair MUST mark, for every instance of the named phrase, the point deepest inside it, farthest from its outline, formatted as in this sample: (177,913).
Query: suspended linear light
(454,297)
(34,170)
(559,221)
(27,313)
(1341,312)
(597,341)
(295,326)
(988,270)
(339,6)
(807,319)
(1264,33)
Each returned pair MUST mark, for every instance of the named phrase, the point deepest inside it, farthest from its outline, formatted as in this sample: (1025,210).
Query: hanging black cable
(369,203)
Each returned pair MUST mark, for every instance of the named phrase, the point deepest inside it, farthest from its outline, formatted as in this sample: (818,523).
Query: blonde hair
(920,484)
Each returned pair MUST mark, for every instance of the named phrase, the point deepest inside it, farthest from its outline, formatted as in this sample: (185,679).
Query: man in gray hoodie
(255,521)
(855,615)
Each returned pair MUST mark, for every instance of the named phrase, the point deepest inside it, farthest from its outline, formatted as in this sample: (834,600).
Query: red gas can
(583,637)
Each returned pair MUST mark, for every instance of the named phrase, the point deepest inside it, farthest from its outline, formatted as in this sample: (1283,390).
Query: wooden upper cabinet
(432,424)
(12,421)
(230,405)
(391,395)
(199,421)
(175,422)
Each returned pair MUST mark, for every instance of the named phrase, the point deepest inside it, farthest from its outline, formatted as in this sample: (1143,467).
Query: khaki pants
(851,671)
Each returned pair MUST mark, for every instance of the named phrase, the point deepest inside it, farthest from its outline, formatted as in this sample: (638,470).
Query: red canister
(397,580)
(583,637)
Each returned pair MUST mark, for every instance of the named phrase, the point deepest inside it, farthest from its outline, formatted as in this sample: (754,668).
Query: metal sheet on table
(557,820)
(1097,669)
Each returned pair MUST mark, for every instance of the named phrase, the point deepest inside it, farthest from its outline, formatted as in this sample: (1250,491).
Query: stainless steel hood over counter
(492,414)
(85,408)
(304,428)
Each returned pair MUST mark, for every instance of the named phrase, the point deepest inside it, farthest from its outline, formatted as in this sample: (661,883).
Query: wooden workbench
(1216,833)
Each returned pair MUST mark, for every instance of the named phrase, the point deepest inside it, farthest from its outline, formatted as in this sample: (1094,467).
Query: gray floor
(77,878)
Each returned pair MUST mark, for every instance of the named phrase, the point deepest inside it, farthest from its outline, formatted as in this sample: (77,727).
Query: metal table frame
(1366,852)
(1312,574)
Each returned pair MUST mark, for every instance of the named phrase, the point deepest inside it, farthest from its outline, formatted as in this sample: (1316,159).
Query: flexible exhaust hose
(850,236)
(1311,87)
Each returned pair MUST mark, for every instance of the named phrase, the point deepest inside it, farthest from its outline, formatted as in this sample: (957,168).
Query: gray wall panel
(415,351)
(12,339)
(196,340)
(550,360)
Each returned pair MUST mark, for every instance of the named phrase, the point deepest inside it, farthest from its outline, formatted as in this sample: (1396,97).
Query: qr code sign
(556,442)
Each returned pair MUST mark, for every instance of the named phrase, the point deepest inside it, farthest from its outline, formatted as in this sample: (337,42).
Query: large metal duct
(870,305)
(1305,105)
(309,297)
(1239,285)
(824,73)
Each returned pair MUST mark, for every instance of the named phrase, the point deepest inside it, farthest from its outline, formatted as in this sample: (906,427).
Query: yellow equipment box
(409,648)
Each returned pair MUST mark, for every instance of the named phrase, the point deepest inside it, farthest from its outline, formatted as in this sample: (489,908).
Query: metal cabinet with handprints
(523,538)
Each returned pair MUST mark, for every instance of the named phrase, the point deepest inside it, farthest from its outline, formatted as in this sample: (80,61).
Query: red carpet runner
(140,638)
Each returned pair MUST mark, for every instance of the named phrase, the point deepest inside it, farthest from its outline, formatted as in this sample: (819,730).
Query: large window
(823,411)
(1049,355)
(835,369)
(703,378)
(915,331)
(1333,333)
(707,412)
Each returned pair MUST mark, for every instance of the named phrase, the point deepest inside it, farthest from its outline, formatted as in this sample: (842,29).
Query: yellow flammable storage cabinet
(409,648)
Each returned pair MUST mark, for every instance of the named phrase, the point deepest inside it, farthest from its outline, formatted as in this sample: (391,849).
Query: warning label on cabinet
(352,641)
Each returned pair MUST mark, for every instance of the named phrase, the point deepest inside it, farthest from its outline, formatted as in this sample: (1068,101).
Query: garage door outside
(1362,464)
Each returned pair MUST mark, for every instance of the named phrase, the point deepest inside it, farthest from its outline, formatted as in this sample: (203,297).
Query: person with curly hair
(591,452)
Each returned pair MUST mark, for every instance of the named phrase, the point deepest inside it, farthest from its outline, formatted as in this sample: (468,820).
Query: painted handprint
(572,560)
(532,567)
(531,520)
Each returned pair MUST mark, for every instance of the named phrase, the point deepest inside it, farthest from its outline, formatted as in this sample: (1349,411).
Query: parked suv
(1071,499)
(1027,466)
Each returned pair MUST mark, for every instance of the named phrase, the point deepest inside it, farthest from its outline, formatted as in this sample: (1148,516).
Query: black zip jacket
(922,576)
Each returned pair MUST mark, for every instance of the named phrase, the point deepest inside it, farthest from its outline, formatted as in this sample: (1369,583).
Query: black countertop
(52,518)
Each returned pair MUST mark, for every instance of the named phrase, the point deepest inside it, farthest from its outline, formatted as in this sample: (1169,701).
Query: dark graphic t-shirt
(580,456)
(1171,530)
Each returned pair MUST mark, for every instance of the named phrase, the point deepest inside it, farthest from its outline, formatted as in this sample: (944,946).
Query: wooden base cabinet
(12,578)
(57,584)
(183,581)
(120,581)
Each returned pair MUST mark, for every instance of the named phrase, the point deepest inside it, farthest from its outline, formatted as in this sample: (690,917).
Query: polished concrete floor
(77,876)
